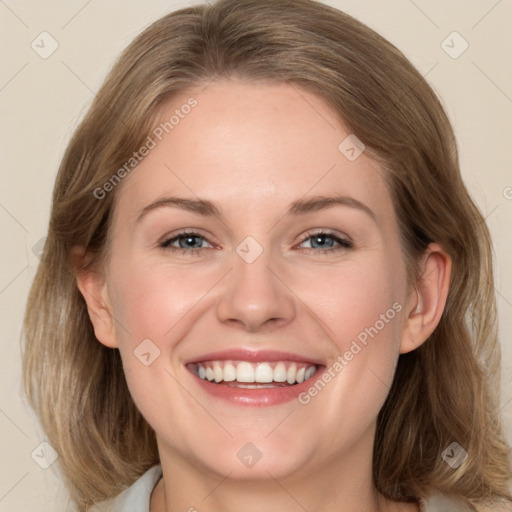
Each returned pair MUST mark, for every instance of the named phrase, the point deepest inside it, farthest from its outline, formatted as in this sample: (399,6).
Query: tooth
(244,372)
(264,373)
(253,386)
(291,374)
(260,372)
(229,372)
(217,372)
(280,372)
(310,372)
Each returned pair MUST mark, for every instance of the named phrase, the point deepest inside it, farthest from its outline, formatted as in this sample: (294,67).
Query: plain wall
(42,100)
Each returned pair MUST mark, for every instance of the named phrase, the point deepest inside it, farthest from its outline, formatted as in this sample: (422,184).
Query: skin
(253,149)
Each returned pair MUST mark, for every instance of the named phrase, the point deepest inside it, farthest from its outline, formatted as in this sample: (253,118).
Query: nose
(255,297)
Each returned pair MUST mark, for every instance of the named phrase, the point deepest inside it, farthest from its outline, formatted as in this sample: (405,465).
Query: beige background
(43,99)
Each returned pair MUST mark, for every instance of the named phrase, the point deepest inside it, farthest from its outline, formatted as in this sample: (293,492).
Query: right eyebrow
(200,206)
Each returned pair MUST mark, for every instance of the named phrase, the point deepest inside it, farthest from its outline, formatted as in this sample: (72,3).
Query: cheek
(150,300)
(355,300)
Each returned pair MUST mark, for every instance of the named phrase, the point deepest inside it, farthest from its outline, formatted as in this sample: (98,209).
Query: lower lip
(260,397)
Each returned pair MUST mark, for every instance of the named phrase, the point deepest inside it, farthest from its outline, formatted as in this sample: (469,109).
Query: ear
(428,299)
(92,286)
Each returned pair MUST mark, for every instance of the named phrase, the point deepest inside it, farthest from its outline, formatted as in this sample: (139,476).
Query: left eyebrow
(315,203)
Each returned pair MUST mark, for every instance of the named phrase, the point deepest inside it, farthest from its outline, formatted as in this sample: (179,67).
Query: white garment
(137,497)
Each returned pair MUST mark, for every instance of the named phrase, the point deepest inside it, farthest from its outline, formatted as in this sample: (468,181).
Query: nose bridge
(253,294)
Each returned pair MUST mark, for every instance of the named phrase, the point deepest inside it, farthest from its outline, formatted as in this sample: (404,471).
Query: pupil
(320,240)
(189,240)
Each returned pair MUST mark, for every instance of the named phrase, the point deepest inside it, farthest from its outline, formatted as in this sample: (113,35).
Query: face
(257,284)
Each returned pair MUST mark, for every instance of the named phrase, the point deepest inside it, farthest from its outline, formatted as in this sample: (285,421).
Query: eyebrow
(299,207)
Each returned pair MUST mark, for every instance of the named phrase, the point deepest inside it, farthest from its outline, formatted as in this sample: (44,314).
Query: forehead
(252,148)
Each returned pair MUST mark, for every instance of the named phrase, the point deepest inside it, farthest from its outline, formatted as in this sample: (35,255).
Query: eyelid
(327,232)
(164,244)
(171,237)
(344,242)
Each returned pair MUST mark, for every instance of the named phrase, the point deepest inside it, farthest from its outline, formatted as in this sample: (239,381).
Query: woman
(265,279)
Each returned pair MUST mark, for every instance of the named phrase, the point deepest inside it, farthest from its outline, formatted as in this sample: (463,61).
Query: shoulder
(135,498)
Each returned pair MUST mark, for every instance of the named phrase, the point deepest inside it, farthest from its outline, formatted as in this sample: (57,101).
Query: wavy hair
(444,391)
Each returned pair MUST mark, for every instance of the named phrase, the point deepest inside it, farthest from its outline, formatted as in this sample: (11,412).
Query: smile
(254,375)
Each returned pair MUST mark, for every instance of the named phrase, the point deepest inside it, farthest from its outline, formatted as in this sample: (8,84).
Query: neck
(343,483)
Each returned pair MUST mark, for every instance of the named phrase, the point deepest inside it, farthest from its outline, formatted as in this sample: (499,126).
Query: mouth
(257,379)
(250,375)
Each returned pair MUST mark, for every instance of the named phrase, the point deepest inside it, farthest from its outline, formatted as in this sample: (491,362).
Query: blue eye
(325,242)
(187,242)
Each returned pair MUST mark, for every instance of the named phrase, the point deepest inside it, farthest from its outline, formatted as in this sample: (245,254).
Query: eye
(185,243)
(325,242)
(190,243)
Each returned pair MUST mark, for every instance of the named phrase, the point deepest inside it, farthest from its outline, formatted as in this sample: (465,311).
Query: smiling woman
(286,303)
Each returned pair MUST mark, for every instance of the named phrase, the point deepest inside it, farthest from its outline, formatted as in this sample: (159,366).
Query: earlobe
(93,288)
(428,299)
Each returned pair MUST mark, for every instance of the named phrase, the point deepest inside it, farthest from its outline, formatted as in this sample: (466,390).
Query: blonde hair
(443,392)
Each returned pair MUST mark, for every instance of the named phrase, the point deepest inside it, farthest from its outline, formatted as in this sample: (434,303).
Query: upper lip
(243,354)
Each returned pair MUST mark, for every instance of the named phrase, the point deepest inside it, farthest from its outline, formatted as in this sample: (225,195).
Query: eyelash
(343,243)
